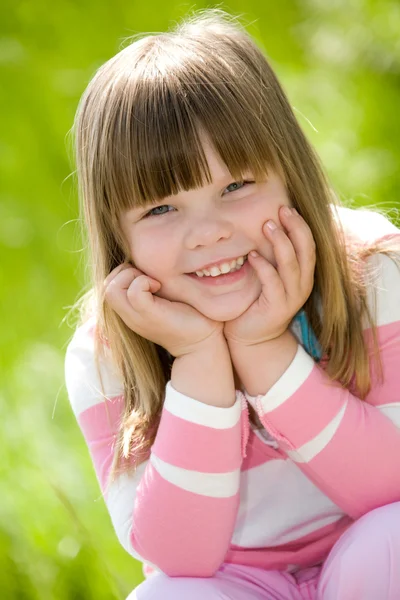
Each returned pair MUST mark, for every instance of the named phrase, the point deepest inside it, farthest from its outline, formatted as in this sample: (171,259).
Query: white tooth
(199,273)
(214,271)
(225,267)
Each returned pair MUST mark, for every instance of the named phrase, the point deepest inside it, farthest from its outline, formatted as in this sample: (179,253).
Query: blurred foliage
(339,62)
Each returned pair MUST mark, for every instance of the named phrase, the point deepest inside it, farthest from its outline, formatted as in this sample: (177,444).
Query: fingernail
(286,211)
(271,225)
(254,253)
(294,211)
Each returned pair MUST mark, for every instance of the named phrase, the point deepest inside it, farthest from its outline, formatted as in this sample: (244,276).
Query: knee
(371,539)
(155,587)
(360,563)
(162,587)
(380,524)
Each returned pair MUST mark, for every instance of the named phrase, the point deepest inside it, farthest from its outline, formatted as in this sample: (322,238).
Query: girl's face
(216,223)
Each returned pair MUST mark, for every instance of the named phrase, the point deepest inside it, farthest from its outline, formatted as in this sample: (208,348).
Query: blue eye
(237,185)
(152,212)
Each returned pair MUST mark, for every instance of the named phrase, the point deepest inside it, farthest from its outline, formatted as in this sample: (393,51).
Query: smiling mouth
(223,269)
(225,279)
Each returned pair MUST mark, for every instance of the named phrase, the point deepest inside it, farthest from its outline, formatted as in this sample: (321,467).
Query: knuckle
(111,295)
(137,280)
(115,274)
(134,292)
(292,265)
(111,289)
(291,261)
(133,288)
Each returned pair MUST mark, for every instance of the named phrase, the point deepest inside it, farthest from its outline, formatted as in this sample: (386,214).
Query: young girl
(236,376)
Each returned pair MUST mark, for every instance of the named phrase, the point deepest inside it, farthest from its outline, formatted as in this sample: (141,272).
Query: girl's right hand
(176,326)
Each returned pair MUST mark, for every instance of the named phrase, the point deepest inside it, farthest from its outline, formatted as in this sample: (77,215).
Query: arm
(178,510)
(349,448)
(206,375)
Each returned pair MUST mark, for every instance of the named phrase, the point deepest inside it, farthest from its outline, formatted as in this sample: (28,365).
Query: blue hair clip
(309,340)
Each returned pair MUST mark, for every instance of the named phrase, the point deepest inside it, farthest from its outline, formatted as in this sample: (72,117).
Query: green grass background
(339,61)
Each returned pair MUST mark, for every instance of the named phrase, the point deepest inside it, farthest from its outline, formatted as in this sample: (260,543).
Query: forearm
(340,442)
(206,375)
(260,366)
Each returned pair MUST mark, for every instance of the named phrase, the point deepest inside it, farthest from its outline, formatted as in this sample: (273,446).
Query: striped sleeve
(178,509)
(349,448)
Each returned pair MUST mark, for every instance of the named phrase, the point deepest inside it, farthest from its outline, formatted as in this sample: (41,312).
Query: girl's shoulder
(372,230)
(90,374)
(362,225)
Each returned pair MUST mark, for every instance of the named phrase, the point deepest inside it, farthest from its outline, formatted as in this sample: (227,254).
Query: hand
(177,327)
(284,288)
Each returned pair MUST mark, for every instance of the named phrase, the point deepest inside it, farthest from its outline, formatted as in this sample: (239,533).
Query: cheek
(253,224)
(151,255)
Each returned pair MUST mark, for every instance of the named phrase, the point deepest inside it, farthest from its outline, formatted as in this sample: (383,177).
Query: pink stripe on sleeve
(184,534)
(354,456)
(198,447)
(99,425)
(299,419)
(359,468)
(389,343)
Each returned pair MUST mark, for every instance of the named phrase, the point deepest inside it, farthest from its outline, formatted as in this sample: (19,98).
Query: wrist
(240,346)
(206,373)
(259,366)
(215,339)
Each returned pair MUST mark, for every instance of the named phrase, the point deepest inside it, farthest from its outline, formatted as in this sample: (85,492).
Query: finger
(272,285)
(140,292)
(122,289)
(118,284)
(122,275)
(115,272)
(303,242)
(134,302)
(286,259)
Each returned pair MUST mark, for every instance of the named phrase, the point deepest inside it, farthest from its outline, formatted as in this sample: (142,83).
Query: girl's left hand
(285,288)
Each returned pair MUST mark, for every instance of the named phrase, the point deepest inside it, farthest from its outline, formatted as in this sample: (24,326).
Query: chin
(223,313)
(228,307)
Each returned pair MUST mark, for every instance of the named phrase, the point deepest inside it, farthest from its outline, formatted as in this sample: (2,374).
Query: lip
(217,263)
(227,279)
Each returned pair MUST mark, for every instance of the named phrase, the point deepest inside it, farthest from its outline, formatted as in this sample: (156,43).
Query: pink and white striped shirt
(214,490)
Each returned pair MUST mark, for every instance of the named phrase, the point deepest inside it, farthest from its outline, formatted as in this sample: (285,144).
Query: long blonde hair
(137,139)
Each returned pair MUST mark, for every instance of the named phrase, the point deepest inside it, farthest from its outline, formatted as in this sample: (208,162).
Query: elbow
(181,564)
(177,557)
(193,568)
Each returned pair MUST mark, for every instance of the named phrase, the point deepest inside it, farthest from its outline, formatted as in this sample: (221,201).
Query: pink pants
(364,564)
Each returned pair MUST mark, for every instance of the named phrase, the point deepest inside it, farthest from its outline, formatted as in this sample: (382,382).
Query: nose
(207,230)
